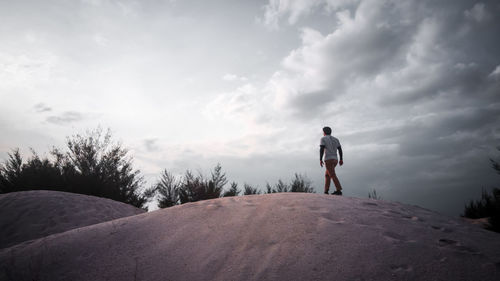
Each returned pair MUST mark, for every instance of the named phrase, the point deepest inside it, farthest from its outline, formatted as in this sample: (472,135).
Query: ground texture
(287,236)
(30,215)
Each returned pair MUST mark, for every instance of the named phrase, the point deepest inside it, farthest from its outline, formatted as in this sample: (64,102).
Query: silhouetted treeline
(191,188)
(488,206)
(298,184)
(173,191)
(92,165)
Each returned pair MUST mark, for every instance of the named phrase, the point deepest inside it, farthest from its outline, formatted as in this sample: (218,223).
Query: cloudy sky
(411,88)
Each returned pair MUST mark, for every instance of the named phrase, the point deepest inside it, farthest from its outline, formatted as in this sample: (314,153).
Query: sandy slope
(33,214)
(265,237)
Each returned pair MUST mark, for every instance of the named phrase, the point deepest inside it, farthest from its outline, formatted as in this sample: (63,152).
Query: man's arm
(321,152)
(341,155)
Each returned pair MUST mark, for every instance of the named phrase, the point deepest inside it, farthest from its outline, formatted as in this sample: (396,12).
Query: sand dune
(265,237)
(34,214)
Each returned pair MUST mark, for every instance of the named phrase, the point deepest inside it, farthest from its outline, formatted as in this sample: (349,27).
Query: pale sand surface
(287,236)
(30,215)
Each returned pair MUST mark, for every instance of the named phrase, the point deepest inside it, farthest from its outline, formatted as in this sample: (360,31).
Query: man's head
(327,130)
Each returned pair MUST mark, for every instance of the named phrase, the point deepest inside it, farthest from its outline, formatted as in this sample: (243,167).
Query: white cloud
(495,73)
(66,118)
(101,40)
(96,3)
(294,9)
(362,47)
(129,8)
(233,77)
(383,52)
(26,70)
(236,104)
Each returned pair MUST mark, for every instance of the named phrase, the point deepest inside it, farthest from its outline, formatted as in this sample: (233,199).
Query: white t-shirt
(331,144)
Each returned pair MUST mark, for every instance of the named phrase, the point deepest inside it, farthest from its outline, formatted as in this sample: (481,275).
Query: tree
(197,188)
(269,189)
(93,165)
(10,173)
(488,206)
(190,188)
(278,187)
(218,177)
(301,184)
(99,167)
(168,190)
(374,195)
(233,191)
(495,165)
(249,190)
(36,173)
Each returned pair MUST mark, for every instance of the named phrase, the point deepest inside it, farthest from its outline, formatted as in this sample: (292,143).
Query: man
(330,144)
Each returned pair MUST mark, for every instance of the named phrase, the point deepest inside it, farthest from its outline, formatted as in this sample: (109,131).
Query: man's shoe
(326,192)
(338,192)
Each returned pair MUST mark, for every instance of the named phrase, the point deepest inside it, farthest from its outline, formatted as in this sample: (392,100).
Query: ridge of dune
(284,236)
(28,215)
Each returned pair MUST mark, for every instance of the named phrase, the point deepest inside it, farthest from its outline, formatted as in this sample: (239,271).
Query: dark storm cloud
(66,118)
(312,100)
(420,48)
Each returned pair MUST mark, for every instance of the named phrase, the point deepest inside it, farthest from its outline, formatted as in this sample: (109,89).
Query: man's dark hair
(327,130)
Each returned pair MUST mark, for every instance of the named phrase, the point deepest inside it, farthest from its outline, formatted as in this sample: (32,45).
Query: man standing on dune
(330,144)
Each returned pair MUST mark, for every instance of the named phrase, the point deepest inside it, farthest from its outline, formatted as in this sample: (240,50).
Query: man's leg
(330,168)
(327,181)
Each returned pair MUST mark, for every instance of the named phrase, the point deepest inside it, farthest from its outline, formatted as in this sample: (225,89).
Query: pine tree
(168,190)
(249,190)
(301,184)
(233,191)
(218,177)
(488,206)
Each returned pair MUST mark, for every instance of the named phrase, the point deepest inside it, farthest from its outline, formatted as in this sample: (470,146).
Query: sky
(410,88)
